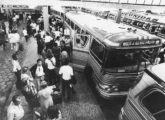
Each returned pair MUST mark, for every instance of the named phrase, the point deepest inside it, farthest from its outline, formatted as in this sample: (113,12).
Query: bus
(153,23)
(113,55)
(146,101)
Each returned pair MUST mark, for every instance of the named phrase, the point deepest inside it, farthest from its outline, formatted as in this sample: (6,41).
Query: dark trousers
(66,89)
(26,38)
(51,77)
(18,75)
(18,81)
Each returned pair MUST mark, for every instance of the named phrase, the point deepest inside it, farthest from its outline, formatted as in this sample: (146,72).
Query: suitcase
(57,97)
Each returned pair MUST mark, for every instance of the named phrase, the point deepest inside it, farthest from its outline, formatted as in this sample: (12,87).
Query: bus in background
(146,101)
(112,56)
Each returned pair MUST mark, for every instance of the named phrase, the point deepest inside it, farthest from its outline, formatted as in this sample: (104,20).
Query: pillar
(45,17)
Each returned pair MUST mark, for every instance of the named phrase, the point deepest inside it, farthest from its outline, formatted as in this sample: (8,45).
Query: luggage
(57,96)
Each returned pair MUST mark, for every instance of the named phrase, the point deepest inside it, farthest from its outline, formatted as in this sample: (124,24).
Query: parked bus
(146,101)
(112,56)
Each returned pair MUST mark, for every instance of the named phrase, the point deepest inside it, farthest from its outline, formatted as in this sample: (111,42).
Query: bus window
(97,50)
(163,30)
(130,60)
(82,32)
(72,25)
(154,102)
(81,40)
(78,30)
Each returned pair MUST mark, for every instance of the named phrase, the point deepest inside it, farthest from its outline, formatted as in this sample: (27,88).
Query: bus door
(80,50)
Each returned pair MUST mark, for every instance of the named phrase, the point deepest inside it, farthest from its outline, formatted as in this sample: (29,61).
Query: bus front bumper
(108,95)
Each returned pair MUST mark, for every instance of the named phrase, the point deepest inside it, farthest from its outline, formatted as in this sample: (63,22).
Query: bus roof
(148,81)
(158,70)
(104,29)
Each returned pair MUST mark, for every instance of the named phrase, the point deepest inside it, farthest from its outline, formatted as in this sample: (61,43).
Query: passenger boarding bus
(146,101)
(112,56)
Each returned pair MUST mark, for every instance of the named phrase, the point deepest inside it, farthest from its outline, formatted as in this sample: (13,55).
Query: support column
(45,17)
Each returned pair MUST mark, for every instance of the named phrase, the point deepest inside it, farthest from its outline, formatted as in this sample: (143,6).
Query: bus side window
(98,50)
(154,102)
(72,25)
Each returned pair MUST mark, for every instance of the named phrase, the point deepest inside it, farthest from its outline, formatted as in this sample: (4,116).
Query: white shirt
(15,112)
(66,71)
(66,31)
(42,34)
(58,42)
(48,39)
(49,63)
(39,71)
(16,65)
(14,37)
(57,33)
(26,76)
(24,32)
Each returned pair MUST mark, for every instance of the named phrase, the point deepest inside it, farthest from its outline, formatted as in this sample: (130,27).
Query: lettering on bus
(140,43)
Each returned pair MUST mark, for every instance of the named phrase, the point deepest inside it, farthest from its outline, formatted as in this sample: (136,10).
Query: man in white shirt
(15,110)
(66,72)
(25,34)
(16,66)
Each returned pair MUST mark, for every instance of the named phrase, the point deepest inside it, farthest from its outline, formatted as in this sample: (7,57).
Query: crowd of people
(51,80)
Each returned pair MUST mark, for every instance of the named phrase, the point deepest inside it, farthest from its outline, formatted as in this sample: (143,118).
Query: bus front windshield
(130,60)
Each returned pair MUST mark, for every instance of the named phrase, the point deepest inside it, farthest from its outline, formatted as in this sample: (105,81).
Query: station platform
(82,106)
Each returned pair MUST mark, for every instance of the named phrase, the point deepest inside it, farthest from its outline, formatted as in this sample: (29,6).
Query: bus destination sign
(141,43)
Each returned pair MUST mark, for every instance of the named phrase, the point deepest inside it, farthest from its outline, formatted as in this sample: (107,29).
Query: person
(16,66)
(48,39)
(25,75)
(56,52)
(38,72)
(50,62)
(25,34)
(64,56)
(66,72)
(14,39)
(54,113)
(15,110)
(63,46)
(2,38)
(29,90)
(39,46)
(45,97)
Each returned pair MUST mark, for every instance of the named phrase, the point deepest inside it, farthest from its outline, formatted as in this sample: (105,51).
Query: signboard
(14,6)
(141,43)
